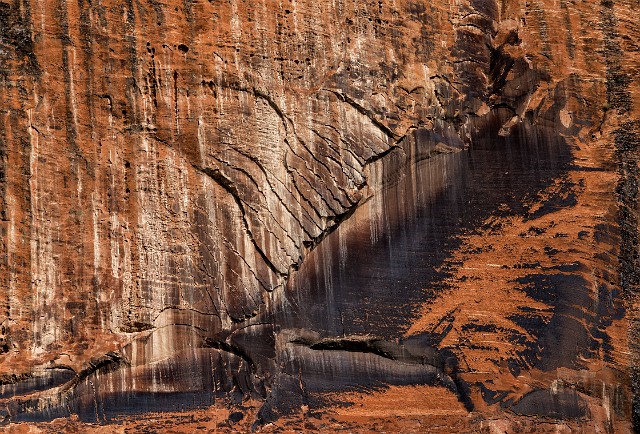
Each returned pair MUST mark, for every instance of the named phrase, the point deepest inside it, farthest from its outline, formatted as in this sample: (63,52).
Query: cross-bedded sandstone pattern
(168,169)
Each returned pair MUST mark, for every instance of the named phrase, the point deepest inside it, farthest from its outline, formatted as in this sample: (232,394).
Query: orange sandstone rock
(280,208)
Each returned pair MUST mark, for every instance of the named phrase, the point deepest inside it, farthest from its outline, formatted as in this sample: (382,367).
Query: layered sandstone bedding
(373,215)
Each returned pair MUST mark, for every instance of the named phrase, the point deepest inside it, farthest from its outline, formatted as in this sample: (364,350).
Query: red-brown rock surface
(375,215)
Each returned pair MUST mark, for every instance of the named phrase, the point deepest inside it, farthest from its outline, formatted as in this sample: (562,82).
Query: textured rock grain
(184,184)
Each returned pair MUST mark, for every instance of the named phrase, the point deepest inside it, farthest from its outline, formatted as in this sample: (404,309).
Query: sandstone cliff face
(208,200)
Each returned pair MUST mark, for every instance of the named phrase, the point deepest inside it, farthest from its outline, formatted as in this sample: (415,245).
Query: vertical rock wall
(166,166)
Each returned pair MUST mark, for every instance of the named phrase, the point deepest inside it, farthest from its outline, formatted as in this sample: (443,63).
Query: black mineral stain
(561,404)
(627,143)
(236,416)
(564,197)
(490,396)
(43,381)
(16,41)
(370,283)
(383,275)
(366,287)
(576,328)
(209,375)
(366,281)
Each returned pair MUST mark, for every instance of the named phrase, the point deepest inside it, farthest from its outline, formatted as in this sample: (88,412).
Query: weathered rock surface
(271,205)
